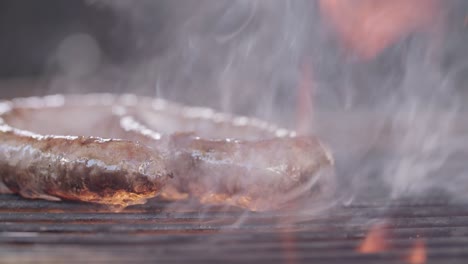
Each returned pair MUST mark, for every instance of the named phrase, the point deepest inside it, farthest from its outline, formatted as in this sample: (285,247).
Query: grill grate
(41,231)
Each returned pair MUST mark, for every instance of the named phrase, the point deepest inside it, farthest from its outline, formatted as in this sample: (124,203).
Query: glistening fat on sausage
(126,149)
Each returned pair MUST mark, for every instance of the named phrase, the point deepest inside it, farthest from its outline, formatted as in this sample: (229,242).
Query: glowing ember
(376,240)
(418,254)
(369,26)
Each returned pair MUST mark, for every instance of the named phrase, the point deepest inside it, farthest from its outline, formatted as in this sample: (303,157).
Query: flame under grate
(41,231)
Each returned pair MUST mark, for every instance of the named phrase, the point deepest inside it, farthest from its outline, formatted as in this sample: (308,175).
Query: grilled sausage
(153,148)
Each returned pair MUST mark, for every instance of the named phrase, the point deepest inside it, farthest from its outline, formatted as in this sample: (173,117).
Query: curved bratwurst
(122,150)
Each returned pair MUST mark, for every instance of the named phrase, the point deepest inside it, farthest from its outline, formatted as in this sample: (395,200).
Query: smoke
(391,121)
(238,56)
(424,117)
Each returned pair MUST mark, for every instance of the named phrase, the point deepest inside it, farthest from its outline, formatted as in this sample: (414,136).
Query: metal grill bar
(41,231)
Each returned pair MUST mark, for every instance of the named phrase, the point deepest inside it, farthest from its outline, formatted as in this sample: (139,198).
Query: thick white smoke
(392,121)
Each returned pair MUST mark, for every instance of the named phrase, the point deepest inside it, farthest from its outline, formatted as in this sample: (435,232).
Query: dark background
(31,31)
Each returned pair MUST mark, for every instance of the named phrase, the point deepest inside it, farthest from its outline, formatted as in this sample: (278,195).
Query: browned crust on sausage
(88,169)
(258,175)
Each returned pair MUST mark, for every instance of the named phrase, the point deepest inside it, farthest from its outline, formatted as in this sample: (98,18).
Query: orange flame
(376,240)
(369,26)
(418,253)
